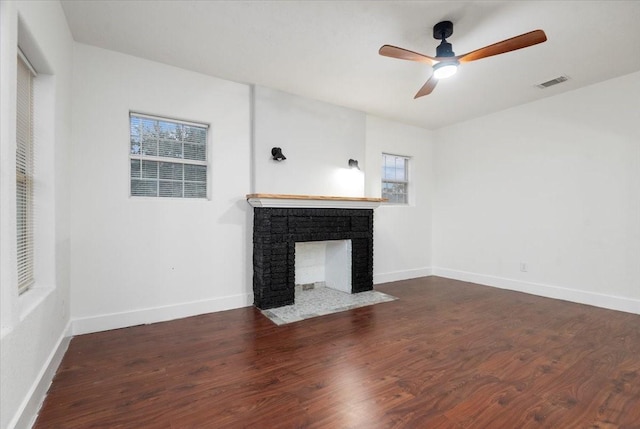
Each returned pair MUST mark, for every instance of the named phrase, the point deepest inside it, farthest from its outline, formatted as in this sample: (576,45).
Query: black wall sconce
(276,152)
(353,163)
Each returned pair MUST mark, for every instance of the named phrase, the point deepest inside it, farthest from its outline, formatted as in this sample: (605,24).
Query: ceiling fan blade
(427,88)
(522,41)
(404,54)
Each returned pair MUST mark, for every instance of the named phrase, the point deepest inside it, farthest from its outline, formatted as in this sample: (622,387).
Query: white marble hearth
(321,301)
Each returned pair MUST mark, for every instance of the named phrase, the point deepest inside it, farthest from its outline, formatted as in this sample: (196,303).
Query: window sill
(32,298)
(141,198)
(396,205)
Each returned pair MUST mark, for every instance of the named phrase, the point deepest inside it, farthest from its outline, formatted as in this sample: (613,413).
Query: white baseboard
(401,275)
(26,415)
(105,322)
(612,302)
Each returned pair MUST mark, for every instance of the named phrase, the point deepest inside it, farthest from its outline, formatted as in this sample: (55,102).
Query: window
(24,173)
(395,178)
(168,158)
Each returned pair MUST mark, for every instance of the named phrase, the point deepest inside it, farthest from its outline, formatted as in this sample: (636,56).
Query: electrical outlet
(523,267)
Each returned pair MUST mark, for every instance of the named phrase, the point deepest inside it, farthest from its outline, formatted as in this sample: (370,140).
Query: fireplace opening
(323,264)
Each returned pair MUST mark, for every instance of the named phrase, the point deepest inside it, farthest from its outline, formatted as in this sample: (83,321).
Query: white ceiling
(328,50)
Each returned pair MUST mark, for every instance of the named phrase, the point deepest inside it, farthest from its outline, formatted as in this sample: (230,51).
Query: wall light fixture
(276,152)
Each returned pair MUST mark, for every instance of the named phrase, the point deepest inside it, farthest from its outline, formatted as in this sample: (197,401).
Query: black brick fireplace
(275,232)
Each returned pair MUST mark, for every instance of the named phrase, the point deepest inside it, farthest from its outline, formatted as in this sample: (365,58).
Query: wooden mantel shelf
(312,201)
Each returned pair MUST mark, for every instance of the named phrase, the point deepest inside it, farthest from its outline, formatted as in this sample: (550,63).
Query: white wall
(141,260)
(34,324)
(318,140)
(554,184)
(144,260)
(402,233)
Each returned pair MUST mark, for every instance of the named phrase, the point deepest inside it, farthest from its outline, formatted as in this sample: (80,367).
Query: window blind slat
(160,118)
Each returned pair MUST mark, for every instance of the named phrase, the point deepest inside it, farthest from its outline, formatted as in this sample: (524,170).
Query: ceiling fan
(446,62)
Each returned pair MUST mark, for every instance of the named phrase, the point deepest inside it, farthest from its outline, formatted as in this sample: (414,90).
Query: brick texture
(275,232)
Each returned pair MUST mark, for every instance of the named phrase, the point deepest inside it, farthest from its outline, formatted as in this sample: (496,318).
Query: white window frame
(24,173)
(172,160)
(404,181)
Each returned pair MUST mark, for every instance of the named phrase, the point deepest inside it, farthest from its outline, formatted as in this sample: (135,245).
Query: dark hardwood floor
(446,354)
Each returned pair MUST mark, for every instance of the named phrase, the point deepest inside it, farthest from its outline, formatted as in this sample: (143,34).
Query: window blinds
(24,174)
(168,157)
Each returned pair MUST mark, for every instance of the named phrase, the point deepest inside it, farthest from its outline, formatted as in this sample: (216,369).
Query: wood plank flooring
(446,354)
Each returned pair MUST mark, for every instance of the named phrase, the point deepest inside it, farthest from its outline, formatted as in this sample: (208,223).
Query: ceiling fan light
(445,70)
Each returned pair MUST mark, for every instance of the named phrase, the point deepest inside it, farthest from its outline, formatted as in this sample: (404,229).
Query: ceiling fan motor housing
(441,31)
(444,49)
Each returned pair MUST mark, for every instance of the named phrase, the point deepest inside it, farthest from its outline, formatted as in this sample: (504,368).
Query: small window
(24,173)
(168,158)
(395,178)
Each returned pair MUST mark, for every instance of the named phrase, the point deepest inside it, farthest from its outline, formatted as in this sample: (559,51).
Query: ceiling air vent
(552,82)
